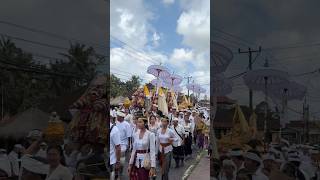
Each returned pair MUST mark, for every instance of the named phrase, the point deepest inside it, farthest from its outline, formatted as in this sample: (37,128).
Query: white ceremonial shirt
(146,143)
(5,164)
(114,141)
(187,129)
(60,173)
(13,157)
(178,131)
(164,138)
(129,118)
(191,118)
(125,133)
(259,175)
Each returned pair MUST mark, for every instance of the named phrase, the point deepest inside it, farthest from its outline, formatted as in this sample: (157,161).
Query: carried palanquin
(89,123)
(241,133)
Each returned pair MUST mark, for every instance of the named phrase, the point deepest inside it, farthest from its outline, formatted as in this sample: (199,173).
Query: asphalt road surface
(174,173)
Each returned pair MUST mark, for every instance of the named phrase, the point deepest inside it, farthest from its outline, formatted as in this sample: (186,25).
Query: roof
(225,100)
(22,123)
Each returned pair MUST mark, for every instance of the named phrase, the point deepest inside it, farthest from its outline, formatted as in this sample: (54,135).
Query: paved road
(174,173)
(202,170)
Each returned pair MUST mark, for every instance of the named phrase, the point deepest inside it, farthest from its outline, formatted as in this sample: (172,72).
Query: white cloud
(129,22)
(181,57)
(155,39)
(167,2)
(194,24)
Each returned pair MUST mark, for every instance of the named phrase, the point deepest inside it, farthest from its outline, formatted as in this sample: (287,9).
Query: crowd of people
(143,139)
(281,161)
(34,159)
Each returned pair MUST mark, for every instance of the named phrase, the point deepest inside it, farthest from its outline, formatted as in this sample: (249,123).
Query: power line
(54,35)
(126,44)
(40,43)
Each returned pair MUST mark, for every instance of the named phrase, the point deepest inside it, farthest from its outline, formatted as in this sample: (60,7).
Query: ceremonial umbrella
(286,92)
(199,90)
(221,56)
(177,89)
(221,85)
(172,80)
(158,71)
(192,87)
(264,78)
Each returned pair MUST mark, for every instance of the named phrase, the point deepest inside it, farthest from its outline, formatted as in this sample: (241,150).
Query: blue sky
(173,32)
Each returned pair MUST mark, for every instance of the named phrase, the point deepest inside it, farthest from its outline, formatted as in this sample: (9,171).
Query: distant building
(295,132)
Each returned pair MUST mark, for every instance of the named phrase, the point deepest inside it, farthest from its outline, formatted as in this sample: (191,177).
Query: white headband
(253,157)
(236,153)
(268,157)
(121,114)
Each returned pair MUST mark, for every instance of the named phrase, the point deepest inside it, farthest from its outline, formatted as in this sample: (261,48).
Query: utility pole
(189,78)
(306,119)
(249,52)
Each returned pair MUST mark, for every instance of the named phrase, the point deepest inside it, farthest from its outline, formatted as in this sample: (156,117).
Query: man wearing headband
(115,151)
(5,166)
(125,136)
(178,146)
(253,163)
(236,155)
(14,156)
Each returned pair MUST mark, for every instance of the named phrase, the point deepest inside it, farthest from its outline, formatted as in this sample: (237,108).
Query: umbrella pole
(266,108)
(157,82)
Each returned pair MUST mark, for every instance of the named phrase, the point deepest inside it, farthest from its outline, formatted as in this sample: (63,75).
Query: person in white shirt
(70,155)
(188,137)
(14,157)
(143,147)
(43,150)
(228,171)
(166,137)
(172,114)
(253,164)
(5,166)
(154,127)
(115,151)
(236,155)
(193,125)
(125,137)
(181,118)
(57,170)
(178,146)
(128,117)
(134,129)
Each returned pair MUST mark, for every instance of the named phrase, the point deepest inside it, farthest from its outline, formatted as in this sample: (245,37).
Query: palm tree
(81,60)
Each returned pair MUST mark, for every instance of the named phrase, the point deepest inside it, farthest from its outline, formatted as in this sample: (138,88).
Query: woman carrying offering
(143,159)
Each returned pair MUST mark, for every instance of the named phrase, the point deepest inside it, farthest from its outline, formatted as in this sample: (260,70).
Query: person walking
(178,146)
(188,138)
(142,162)
(125,138)
(115,151)
(166,137)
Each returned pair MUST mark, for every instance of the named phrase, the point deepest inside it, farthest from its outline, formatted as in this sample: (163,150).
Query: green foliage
(23,90)
(120,88)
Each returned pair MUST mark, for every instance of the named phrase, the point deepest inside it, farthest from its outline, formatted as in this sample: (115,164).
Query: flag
(146,91)
(174,99)
(162,103)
